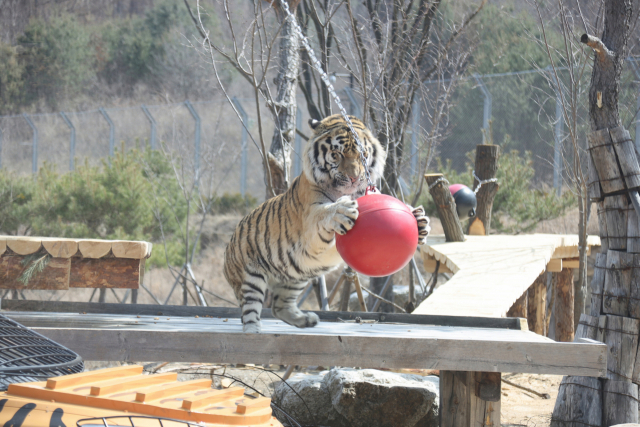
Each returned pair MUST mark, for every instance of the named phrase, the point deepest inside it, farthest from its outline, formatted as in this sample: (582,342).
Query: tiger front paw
(345,215)
(423,224)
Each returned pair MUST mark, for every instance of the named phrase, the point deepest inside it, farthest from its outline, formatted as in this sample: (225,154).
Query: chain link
(325,78)
(481,182)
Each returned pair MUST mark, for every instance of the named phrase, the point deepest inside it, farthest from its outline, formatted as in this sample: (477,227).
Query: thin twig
(382,299)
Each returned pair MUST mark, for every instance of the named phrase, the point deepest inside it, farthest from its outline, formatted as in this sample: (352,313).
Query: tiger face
(332,159)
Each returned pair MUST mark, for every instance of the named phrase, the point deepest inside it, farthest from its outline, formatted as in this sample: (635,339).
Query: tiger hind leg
(285,307)
(252,289)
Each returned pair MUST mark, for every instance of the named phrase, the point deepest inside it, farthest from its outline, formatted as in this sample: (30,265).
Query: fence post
(243,160)
(34,145)
(196,117)
(152,121)
(486,116)
(112,132)
(414,136)
(72,141)
(297,161)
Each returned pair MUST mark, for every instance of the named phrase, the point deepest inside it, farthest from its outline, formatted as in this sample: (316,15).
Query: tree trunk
(486,167)
(284,107)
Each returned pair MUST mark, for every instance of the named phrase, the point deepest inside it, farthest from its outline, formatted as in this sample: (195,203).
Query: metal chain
(481,182)
(325,78)
(438,181)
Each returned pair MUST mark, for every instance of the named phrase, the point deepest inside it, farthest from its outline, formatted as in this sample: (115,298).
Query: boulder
(361,398)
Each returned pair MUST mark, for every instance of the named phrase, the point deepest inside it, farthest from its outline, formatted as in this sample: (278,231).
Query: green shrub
(11,84)
(518,206)
(56,59)
(16,195)
(233,203)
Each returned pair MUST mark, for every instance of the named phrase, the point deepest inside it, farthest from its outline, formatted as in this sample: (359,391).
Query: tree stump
(563,311)
(486,167)
(578,403)
(536,306)
(439,190)
(620,403)
(469,398)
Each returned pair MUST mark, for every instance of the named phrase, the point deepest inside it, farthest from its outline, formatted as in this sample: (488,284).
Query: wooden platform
(72,263)
(491,272)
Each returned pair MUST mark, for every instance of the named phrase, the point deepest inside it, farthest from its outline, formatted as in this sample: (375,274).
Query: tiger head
(332,160)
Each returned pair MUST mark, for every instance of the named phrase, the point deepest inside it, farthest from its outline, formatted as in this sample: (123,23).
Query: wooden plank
(234,313)
(587,327)
(620,403)
(24,245)
(564,304)
(163,391)
(616,209)
(621,337)
(626,153)
(460,404)
(536,306)
(571,263)
(60,248)
(94,248)
(55,275)
(578,403)
(593,183)
(446,207)
(602,226)
(126,249)
(211,397)
(617,283)
(597,284)
(106,273)
(604,158)
(633,232)
(555,265)
(345,344)
(430,266)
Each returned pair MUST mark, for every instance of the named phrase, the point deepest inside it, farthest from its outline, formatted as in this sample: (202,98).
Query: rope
(481,182)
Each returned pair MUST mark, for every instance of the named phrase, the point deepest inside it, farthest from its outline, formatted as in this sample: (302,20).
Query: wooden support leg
(470,399)
(563,285)
(519,308)
(536,305)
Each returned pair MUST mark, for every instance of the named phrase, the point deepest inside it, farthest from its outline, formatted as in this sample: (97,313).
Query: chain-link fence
(520,108)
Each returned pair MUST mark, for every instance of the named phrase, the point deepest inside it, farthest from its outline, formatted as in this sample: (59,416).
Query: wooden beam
(55,275)
(430,266)
(461,404)
(564,305)
(371,345)
(555,265)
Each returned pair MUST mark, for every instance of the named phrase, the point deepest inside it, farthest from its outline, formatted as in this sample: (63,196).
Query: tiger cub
(290,239)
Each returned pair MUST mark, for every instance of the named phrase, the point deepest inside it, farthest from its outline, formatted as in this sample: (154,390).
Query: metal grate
(130,420)
(27,356)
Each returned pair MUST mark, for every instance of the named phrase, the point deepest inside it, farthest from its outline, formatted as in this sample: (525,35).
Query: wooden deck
(136,338)
(491,272)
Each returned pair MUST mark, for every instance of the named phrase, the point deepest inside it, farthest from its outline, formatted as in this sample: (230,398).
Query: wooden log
(617,283)
(106,273)
(587,327)
(460,405)
(446,206)
(633,232)
(133,250)
(620,402)
(604,158)
(597,284)
(626,153)
(563,307)
(486,167)
(55,275)
(519,308)
(94,248)
(593,183)
(578,403)
(616,210)
(621,337)
(536,305)
(634,293)
(24,245)
(602,225)
(60,248)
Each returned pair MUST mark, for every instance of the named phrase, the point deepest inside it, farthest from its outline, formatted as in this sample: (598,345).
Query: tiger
(290,239)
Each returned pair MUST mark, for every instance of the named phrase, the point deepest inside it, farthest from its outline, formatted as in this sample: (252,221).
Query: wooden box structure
(72,263)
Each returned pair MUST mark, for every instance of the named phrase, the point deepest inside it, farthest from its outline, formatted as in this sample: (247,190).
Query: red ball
(383,239)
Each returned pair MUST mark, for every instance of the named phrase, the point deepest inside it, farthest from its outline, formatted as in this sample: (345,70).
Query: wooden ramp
(491,272)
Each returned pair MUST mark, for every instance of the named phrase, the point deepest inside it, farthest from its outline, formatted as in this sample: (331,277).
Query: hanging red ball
(383,239)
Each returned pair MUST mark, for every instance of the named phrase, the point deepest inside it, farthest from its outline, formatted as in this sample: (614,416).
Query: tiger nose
(353,179)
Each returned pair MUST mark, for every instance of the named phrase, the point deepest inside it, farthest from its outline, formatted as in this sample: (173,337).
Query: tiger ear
(313,123)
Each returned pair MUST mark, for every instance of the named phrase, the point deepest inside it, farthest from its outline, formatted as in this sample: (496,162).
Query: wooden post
(587,327)
(634,291)
(615,212)
(578,403)
(536,306)
(617,283)
(469,399)
(485,168)
(563,312)
(597,284)
(446,207)
(620,403)
(602,225)
(519,308)
(621,337)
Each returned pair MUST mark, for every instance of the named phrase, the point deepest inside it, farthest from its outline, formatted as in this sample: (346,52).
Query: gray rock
(362,398)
